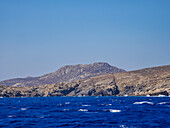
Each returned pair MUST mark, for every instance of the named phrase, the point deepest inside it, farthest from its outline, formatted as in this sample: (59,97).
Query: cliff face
(150,81)
(65,74)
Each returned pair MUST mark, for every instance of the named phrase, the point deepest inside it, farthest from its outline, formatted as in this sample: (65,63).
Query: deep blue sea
(85,112)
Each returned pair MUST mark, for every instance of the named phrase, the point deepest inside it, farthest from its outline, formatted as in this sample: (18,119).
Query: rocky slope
(65,74)
(97,86)
(150,81)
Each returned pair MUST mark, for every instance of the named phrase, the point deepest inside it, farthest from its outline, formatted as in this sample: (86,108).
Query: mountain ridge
(66,73)
(150,81)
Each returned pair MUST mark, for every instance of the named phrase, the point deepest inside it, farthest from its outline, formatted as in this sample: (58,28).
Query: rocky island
(97,79)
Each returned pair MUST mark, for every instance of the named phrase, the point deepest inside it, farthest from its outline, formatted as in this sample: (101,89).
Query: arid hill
(150,81)
(67,73)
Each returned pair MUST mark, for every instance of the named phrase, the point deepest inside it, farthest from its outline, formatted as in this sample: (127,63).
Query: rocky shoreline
(151,81)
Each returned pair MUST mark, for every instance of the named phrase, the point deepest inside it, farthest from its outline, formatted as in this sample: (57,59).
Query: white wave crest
(113,110)
(83,110)
(11,116)
(23,109)
(67,102)
(66,109)
(161,95)
(86,105)
(60,104)
(164,103)
(144,102)
(123,126)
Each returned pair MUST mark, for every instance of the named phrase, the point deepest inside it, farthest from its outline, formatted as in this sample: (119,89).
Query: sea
(85,112)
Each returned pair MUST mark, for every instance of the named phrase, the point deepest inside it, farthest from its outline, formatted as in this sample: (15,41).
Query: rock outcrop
(67,73)
(151,81)
(97,86)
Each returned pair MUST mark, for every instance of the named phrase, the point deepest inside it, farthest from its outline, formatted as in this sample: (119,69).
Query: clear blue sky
(40,36)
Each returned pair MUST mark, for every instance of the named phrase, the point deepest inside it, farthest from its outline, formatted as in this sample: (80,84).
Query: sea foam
(86,105)
(164,103)
(144,102)
(23,109)
(67,102)
(113,110)
(83,110)
(11,116)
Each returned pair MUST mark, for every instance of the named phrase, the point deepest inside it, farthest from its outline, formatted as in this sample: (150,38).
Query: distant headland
(97,79)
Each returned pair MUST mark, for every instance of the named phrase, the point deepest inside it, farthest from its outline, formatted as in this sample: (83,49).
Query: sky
(40,36)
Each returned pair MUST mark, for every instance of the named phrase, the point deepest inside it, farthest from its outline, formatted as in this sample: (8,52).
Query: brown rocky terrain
(97,86)
(67,73)
(150,81)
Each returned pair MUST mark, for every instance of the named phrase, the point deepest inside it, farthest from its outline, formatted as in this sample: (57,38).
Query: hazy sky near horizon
(40,36)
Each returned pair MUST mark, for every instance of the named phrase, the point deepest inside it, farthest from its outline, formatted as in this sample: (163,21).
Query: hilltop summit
(67,73)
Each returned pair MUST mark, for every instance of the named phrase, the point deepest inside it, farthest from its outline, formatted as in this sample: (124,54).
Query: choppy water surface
(121,112)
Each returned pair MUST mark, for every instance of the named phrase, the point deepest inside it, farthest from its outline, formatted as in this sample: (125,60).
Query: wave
(144,102)
(114,110)
(66,109)
(60,104)
(23,109)
(86,105)
(161,95)
(168,103)
(10,116)
(124,126)
(105,104)
(83,110)
(67,102)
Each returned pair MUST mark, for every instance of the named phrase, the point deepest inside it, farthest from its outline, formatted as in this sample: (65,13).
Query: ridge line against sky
(40,36)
